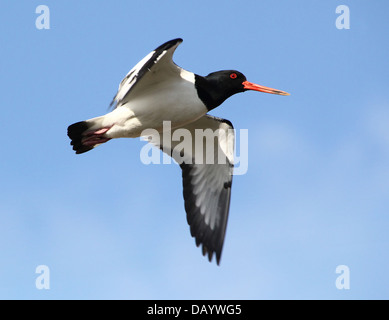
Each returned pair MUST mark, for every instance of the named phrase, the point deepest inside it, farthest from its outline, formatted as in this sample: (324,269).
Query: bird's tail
(86,135)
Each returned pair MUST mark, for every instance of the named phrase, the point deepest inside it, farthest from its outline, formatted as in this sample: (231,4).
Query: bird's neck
(210,92)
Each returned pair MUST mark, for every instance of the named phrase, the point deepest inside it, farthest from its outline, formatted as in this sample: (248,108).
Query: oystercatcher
(157,90)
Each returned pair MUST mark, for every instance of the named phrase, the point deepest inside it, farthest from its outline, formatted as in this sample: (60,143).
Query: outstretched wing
(157,65)
(206,159)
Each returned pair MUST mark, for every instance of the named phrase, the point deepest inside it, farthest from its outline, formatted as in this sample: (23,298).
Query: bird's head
(221,85)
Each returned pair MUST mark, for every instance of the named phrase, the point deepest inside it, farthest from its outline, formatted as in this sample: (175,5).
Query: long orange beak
(256,87)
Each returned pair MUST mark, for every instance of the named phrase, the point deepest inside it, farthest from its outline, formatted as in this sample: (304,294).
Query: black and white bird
(157,90)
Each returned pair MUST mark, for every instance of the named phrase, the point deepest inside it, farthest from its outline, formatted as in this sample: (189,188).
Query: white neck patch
(188,76)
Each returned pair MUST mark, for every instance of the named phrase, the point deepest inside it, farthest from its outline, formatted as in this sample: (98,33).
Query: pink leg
(102,131)
(96,137)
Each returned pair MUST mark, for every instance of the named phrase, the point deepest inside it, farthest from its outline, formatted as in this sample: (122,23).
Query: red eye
(233,76)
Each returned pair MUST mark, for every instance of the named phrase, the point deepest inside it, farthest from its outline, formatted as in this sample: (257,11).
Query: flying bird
(156,90)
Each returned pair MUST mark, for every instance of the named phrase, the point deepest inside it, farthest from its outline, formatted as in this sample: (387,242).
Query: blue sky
(316,194)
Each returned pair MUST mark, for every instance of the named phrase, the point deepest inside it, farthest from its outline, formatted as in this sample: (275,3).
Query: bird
(156,91)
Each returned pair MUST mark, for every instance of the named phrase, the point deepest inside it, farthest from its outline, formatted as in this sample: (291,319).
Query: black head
(218,86)
(230,81)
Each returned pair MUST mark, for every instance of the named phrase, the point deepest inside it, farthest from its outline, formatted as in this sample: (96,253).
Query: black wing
(207,178)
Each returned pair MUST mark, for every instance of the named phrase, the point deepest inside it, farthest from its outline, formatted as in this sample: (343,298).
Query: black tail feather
(75,133)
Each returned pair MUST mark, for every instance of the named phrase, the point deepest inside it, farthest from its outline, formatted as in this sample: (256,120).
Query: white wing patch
(162,57)
(129,80)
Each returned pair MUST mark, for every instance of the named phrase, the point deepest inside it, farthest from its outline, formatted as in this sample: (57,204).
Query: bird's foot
(93,138)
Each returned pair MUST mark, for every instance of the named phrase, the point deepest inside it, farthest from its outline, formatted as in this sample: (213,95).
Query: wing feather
(160,58)
(206,186)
